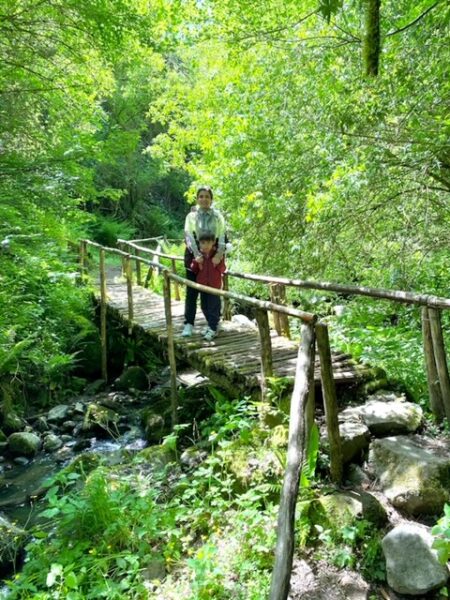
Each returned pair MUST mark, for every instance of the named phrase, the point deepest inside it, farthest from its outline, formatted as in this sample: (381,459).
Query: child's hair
(205,188)
(207,236)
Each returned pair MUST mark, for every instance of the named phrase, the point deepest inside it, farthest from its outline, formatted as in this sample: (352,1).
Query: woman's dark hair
(207,236)
(205,188)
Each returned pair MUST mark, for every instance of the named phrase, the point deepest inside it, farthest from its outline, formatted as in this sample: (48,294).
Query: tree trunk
(371,41)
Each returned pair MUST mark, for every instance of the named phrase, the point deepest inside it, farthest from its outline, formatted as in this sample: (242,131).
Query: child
(210,274)
(204,219)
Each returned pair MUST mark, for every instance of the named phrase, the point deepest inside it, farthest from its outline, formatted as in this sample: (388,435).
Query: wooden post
(284,319)
(103,300)
(129,277)
(226,301)
(171,349)
(434,388)
(266,349)
(177,287)
(138,267)
(83,249)
(304,379)
(121,246)
(330,402)
(152,270)
(440,358)
(273,287)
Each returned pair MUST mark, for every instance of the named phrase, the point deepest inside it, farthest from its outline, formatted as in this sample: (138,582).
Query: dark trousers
(211,309)
(190,306)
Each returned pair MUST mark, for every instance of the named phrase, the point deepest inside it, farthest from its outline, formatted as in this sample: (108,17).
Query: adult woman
(204,219)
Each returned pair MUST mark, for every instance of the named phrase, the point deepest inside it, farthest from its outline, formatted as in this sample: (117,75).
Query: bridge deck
(232,359)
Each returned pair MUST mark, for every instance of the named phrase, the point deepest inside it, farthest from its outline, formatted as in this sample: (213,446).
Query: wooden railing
(312,332)
(438,378)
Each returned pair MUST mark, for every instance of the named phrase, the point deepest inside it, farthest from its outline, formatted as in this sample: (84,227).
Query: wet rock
(68,425)
(133,377)
(63,454)
(22,461)
(52,443)
(24,444)
(412,566)
(59,413)
(78,408)
(99,420)
(413,472)
(12,540)
(81,445)
(12,423)
(66,437)
(41,424)
(153,425)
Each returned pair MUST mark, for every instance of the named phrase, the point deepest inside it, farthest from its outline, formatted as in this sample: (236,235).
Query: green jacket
(202,221)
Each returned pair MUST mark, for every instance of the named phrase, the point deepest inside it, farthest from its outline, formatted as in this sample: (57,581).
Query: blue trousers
(210,304)
(190,305)
(211,309)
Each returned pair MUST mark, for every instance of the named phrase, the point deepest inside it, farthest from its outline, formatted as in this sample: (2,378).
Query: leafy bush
(107,230)
(441,531)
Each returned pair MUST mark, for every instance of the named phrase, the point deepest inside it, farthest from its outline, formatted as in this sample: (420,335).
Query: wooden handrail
(381,293)
(394,295)
(153,252)
(263,304)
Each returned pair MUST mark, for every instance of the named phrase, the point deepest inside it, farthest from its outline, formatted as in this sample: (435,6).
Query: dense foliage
(347,174)
(76,79)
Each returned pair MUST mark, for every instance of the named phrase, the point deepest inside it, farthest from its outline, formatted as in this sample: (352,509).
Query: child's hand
(216,260)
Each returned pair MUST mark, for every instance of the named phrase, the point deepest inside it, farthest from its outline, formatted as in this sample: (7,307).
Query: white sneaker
(210,335)
(187,330)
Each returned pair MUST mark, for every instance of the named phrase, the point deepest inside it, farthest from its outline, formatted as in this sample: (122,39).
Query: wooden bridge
(245,358)
(233,359)
(242,358)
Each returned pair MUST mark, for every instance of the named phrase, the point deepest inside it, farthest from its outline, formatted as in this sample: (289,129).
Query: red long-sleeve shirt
(208,273)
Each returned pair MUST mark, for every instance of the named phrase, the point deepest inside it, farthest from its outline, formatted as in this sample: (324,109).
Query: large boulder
(132,378)
(59,413)
(13,423)
(153,426)
(412,566)
(413,472)
(12,540)
(386,413)
(24,443)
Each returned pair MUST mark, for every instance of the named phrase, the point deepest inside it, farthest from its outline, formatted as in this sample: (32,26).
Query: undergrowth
(141,530)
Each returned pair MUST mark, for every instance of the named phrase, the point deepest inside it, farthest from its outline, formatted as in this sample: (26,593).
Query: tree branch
(415,20)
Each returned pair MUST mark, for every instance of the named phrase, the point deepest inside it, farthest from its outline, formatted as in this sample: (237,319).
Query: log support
(304,380)
(171,349)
